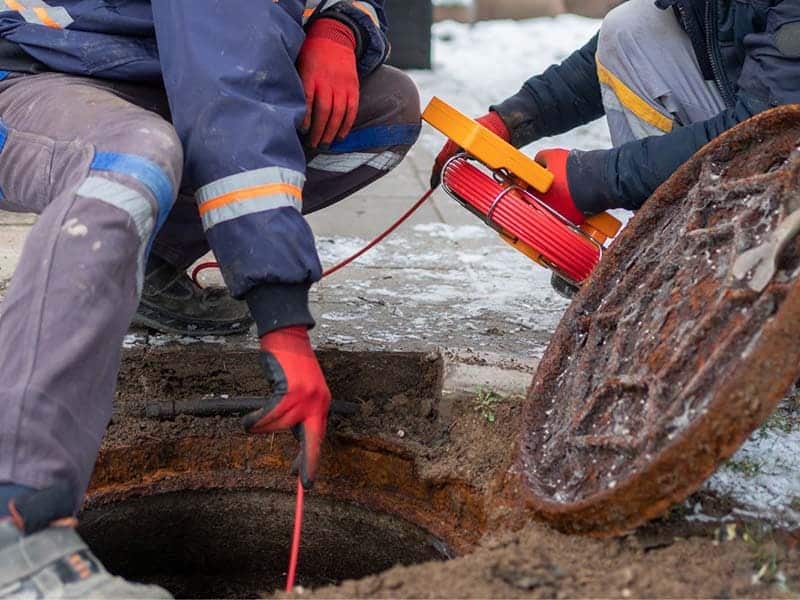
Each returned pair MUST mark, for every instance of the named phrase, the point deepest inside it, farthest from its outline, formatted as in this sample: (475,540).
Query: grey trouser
(102,169)
(649,75)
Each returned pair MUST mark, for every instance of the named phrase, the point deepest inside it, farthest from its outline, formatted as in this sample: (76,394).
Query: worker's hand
(558,197)
(492,121)
(327,67)
(300,397)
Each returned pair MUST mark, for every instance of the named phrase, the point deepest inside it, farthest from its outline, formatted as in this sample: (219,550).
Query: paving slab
(15,218)
(12,238)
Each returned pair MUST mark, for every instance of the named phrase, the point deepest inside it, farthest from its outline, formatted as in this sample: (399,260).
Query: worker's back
(99,39)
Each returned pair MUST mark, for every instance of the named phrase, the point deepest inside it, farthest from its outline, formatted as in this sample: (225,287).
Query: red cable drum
(520,216)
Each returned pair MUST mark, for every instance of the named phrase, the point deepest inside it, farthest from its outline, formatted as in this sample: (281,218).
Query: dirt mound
(538,562)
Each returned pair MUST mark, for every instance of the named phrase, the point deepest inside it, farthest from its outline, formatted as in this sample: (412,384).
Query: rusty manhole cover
(666,362)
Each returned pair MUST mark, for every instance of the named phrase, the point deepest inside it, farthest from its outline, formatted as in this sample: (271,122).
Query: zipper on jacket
(697,36)
(714,56)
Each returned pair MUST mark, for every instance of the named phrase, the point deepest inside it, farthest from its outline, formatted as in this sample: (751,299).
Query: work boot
(173,303)
(52,561)
(563,288)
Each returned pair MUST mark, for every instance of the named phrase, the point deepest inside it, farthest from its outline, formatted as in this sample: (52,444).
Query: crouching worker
(670,76)
(268,110)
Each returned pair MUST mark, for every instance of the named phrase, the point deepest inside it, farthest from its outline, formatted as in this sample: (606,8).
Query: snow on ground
(764,476)
(481,64)
(444,266)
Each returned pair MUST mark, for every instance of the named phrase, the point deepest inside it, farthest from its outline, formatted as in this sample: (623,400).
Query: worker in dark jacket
(669,76)
(250,114)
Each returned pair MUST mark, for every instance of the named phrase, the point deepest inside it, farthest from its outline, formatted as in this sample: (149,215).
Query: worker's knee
(630,29)
(389,97)
(155,140)
(137,181)
(141,174)
(408,110)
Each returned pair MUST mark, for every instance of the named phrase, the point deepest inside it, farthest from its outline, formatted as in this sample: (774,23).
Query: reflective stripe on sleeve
(249,192)
(40,13)
(368,10)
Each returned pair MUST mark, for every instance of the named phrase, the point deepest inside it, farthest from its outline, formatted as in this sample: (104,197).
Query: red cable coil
(567,250)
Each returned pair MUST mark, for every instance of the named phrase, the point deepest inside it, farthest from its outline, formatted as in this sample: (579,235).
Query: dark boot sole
(563,287)
(165,322)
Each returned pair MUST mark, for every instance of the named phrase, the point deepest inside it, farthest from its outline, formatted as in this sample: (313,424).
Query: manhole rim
(167,474)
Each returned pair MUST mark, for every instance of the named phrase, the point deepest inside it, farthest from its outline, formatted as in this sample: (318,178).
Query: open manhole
(194,504)
(233,544)
(673,353)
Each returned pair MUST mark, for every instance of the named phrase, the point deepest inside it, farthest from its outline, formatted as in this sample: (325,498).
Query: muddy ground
(410,477)
(658,562)
(677,556)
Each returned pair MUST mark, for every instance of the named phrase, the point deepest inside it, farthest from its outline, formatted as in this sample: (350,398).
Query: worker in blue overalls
(141,132)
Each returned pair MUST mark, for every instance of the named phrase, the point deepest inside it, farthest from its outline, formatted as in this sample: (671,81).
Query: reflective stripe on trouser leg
(621,103)
(133,203)
(344,163)
(250,192)
(387,125)
(147,217)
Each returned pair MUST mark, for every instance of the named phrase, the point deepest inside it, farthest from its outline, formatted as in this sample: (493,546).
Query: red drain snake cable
(214,265)
(505,208)
(298,526)
(298,510)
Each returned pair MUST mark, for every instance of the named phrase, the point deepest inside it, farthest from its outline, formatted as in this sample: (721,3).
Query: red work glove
(492,121)
(327,67)
(300,397)
(558,196)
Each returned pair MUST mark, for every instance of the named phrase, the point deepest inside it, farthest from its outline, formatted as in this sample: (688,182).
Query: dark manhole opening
(235,544)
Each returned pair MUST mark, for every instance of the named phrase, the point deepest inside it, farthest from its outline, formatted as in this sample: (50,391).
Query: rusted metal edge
(616,511)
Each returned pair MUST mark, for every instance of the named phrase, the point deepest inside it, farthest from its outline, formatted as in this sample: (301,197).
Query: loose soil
(538,562)
(411,478)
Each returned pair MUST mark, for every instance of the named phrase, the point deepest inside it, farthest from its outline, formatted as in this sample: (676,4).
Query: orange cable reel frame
(498,183)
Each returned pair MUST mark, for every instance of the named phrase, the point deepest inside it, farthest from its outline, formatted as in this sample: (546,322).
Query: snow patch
(463,232)
(772,489)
